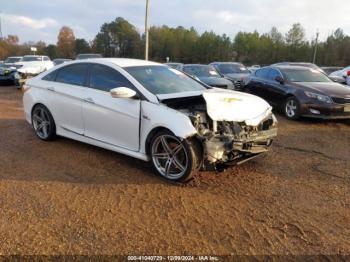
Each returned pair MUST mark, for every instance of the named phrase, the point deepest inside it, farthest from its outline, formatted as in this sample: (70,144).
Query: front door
(115,121)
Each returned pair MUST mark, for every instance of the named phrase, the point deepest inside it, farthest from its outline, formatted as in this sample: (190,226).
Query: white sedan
(151,112)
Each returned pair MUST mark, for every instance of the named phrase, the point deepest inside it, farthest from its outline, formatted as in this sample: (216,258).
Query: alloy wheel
(41,123)
(291,108)
(169,157)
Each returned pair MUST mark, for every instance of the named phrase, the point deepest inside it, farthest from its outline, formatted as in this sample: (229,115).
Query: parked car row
(297,89)
(227,75)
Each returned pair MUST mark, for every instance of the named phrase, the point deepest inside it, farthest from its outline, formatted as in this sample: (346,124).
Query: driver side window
(105,78)
(273,74)
(262,73)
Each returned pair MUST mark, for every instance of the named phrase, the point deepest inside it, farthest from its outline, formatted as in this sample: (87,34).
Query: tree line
(119,38)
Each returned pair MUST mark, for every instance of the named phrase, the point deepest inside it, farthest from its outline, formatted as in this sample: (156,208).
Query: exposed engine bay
(226,141)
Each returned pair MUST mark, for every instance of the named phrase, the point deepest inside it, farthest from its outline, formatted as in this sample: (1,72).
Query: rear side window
(262,73)
(72,74)
(105,78)
(51,76)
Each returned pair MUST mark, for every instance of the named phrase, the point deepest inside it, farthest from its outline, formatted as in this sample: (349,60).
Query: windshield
(31,58)
(233,69)
(12,60)
(201,71)
(163,80)
(305,75)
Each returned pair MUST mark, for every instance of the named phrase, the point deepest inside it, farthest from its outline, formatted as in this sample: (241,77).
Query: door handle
(52,89)
(89,100)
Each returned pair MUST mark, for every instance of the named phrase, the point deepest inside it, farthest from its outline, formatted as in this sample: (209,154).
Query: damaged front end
(229,138)
(234,143)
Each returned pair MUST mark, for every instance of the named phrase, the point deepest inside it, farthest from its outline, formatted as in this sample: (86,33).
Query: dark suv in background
(235,72)
(208,75)
(300,91)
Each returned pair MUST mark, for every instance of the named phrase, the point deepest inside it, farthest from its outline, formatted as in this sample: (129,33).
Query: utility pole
(146,30)
(1,37)
(316,45)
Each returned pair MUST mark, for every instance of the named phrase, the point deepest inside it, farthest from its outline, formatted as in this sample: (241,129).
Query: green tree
(81,46)
(118,38)
(51,51)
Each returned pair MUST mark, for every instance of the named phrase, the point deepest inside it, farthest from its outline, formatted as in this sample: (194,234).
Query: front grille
(341,100)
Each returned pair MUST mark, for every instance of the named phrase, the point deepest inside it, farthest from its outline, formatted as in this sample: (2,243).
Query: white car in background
(32,65)
(151,112)
(11,61)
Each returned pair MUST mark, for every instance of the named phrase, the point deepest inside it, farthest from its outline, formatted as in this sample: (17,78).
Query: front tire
(173,158)
(43,123)
(292,108)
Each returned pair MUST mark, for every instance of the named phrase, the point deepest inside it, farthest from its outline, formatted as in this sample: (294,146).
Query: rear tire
(173,158)
(43,123)
(291,108)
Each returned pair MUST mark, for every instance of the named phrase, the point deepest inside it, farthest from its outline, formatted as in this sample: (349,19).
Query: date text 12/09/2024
(173,258)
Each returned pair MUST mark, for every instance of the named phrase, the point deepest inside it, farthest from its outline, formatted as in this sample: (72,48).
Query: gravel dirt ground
(65,197)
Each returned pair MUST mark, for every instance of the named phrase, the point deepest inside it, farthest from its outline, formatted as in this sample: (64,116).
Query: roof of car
(34,55)
(291,67)
(188,65)
(294,63)
(124,62)
(237,63)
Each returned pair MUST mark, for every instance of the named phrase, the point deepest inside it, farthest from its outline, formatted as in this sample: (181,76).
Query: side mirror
(122,92)
(279,79)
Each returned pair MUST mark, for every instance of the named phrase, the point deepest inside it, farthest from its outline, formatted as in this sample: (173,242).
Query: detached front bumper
(227,150)
(257,143)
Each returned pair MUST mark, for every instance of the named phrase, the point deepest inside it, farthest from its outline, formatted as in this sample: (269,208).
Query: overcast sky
(41,19)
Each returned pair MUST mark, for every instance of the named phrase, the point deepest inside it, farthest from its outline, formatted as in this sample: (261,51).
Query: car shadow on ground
(24,157)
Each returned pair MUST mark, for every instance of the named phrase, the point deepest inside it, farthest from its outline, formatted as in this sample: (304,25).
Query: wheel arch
(34,106)
(40,104)
(151,134)
(156,130)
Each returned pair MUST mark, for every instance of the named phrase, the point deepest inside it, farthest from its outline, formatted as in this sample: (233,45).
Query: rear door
(65,91)
(115,121)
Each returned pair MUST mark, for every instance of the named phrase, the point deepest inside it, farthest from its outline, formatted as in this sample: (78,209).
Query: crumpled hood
(227,105)
(32,67)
